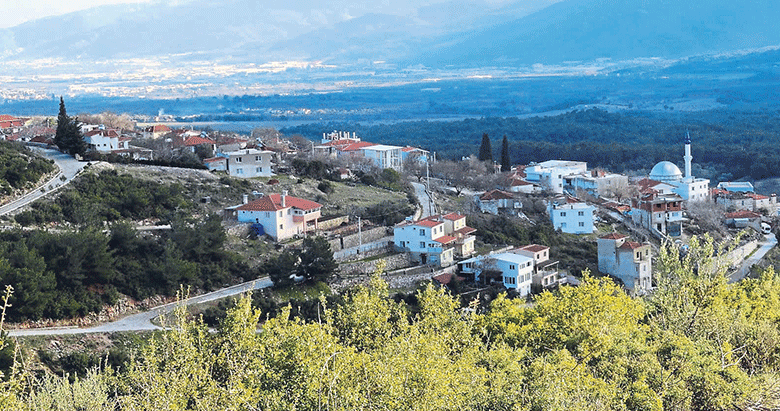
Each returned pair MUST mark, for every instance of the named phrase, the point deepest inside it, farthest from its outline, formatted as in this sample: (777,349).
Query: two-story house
(545,270)
(435,240)
(629,261)
(498,201)
(281,216)
(514,271)
(249,163)
(571,216)
(660,213)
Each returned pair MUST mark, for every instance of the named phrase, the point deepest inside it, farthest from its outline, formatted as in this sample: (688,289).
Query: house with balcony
(629,261)
(659,213)
(514,271)
(435,240)
(545,273)
(550,174)
(281,216)
(103,140)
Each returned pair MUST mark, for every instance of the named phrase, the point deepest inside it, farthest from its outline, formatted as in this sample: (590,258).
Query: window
(422,232)
(257,158)
(580,213)
(422,244)
(238,159)
(403,243)
(582,224)
(563,225)
(259,169)
(281,226)
(267,214)
(239,171)
(563,214)
(281,214)
(511,266)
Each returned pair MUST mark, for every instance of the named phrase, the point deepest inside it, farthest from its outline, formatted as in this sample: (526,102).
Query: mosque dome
(666,171)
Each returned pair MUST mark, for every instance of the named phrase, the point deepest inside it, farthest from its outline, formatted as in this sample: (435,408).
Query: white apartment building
(550,174)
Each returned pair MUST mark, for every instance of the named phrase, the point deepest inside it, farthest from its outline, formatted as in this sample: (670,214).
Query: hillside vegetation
(20,168)
(697,343)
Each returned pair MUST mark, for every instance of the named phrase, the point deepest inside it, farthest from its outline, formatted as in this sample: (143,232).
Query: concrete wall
(353,240)
(366,268)
(332,223)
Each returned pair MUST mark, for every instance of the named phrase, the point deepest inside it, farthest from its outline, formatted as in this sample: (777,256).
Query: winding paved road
(143,321)
(69,167)
(744,269)
(426,202)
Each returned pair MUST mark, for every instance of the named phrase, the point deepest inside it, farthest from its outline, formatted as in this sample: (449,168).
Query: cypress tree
(506,163)
(485,152)
(68,137)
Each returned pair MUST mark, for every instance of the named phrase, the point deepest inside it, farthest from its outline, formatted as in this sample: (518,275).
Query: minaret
(688,158)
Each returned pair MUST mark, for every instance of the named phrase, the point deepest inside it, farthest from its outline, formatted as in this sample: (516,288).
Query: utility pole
(360,234)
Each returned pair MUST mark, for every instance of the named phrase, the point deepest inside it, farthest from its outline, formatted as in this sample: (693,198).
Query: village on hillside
(620,221)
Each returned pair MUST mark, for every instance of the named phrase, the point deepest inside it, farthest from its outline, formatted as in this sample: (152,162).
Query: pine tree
(485,152)
(506,163)
(68,137)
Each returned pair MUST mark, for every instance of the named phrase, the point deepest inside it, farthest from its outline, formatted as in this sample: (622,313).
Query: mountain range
(458,33)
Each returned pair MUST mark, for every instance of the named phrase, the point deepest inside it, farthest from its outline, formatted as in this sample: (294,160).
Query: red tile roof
(454,216)
(408,149)
(516,182)
(214,159)
(743,214)
(631,245)
(613,236)
(756,196)
(427,223)
(357,146)
(273,202)
(196,141)
(6,117)
(445,239)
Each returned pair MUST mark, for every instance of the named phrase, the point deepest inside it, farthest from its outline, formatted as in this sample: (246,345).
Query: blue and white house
(516,271)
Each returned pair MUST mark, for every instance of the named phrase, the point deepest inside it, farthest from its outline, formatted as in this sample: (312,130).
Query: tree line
(727,145)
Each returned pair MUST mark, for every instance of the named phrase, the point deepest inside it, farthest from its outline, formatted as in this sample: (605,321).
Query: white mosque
(688,187)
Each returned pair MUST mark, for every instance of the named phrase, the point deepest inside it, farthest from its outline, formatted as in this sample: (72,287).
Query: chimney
(284,198)
(246,198)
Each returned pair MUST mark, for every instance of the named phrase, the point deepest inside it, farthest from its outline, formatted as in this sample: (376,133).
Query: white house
(435,240)
(497,201)
(550,174)
(629,261)
(736,186)
(281,216)
(595,182)
(249,163)
(105,140)
(571,216)
(545,270)
(218,163)
(511,269)
(384,156)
